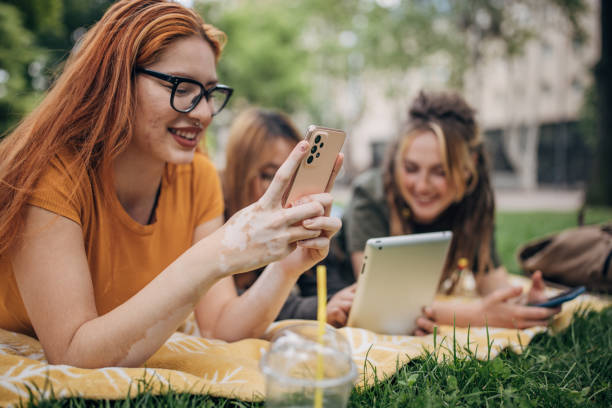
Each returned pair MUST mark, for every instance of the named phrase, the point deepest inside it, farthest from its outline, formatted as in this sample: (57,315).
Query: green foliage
(35,36)
(77,17)
(16,53)
(41,17)
(263,59)
(573,11)
(278,52)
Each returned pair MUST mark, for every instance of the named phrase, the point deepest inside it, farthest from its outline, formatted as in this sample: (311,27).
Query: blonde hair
(460,153)
(452,121)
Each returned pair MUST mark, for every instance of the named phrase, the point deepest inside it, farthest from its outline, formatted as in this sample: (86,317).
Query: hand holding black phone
(561,298)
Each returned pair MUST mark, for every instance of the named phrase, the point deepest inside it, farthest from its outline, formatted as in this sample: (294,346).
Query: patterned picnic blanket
(188,363)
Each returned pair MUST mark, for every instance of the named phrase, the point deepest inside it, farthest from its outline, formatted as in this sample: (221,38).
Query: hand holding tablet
(399,276)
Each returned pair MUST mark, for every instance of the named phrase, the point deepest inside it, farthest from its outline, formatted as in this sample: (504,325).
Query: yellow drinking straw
(322,319)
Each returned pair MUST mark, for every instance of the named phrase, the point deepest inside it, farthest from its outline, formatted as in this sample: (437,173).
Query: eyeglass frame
(177,80)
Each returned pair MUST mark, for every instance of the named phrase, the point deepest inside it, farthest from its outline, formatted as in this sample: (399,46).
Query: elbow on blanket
(84,361)
(90,359)
(232,335)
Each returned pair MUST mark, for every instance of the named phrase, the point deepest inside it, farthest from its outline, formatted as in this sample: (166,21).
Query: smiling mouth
(183,134)
(424,201)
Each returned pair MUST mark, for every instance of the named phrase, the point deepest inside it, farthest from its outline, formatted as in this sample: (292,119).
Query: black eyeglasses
(187,92)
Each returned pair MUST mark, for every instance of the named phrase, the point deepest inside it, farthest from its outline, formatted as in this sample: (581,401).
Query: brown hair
(453,122)
(249,135)
(90,108)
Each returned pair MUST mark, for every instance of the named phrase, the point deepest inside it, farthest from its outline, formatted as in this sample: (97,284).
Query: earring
(406,213)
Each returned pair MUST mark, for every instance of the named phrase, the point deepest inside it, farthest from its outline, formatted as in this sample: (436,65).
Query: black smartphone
(561,297)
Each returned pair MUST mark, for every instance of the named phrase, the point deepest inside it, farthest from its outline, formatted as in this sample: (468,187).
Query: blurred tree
(42,17)
(276,49)
(264,59)
(300,56)
(287,41)
(76,17)
(35,37)
(291,55)
(17,53)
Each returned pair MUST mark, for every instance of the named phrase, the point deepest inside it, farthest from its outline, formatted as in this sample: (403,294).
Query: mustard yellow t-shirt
(123,255)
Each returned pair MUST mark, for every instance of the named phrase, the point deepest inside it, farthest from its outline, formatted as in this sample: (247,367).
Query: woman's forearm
(249,315)
(129,334)
(461,314)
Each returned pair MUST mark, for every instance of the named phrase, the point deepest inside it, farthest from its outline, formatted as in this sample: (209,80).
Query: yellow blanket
(191,364)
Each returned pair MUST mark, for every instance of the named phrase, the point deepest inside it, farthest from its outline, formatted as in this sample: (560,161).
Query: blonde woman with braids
(259,141)
(111,230)
(436,178)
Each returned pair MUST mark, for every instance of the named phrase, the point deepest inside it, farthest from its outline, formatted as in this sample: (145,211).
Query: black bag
(573,257)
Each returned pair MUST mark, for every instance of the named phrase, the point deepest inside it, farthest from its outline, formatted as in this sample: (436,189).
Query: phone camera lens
(321,145)
(310,159)
(318,154)
(314,149)
(318,139)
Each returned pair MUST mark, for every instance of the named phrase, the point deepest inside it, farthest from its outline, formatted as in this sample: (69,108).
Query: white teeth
(185,135)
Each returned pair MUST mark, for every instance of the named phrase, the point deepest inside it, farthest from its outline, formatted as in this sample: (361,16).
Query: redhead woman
(111,230)
(436,178)
(259,141)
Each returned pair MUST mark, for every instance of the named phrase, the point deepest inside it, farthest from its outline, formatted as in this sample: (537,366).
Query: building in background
(529,105)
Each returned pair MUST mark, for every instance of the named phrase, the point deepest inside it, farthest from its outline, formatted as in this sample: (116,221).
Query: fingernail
(308,222)
(303,146)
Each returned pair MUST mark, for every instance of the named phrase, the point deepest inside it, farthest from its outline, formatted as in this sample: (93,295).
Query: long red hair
(90,108)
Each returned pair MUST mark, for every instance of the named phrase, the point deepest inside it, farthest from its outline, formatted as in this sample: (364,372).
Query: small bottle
(466,284)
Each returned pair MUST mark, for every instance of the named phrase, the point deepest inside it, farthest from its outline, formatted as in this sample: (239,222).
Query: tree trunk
(600,185)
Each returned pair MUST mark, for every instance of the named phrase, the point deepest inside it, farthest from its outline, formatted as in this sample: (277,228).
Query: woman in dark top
(436,178)
(260,140)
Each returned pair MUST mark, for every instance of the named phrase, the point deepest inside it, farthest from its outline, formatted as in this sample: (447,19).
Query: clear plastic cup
(290,367)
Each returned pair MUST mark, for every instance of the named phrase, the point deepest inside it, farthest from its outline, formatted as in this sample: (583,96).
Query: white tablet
(399,276)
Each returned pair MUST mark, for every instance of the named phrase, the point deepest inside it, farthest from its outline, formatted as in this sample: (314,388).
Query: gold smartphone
(315,170)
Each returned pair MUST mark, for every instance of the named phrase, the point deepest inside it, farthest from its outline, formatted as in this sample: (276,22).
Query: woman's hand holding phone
(537,293)
(501,311)
(319,168)
(312,180)
(311,251)
(498,309)
(264,231)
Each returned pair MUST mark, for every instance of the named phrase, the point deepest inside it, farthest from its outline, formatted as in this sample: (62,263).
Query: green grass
(572,368)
